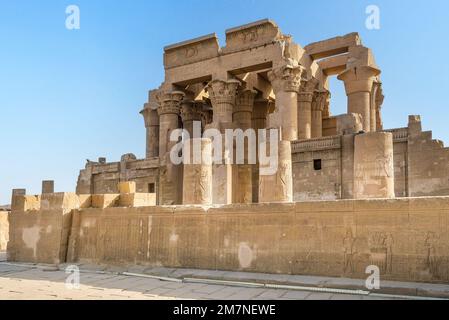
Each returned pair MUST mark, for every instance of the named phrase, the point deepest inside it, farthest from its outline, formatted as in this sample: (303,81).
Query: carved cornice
(286,78)
(170,102)
(221,91)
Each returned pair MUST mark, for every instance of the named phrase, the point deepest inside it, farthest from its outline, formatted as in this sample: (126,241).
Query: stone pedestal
(198,174)
(373,166)
(358,85)
(278,187)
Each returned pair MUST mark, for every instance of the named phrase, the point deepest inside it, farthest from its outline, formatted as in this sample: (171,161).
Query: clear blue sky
(66,96)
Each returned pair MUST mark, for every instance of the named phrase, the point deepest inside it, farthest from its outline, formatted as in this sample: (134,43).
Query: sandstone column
(285,81)
(170,174)
(278,187)
(151,119)
(305,98)
(223,97)
(190,113)
(242,184)
(358,85)
(198,176)
(373,165)
(259,121)
(318,104)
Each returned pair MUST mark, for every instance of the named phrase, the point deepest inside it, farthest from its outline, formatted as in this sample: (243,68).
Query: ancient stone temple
(262,79)
(346,193)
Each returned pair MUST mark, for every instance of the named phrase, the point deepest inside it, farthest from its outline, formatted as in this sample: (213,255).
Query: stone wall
(4,230)
(407,238)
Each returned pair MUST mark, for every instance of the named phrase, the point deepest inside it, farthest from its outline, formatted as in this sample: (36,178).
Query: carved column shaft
(223,97)
(170,174)
(198,176)
(151,118)
(191,111)
(318,104)
(358,84)
(285,81)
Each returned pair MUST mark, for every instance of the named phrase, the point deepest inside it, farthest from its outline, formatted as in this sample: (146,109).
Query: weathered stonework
(341,197)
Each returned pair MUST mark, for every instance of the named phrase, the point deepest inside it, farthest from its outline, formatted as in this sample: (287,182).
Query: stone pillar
(305,98)
(285,81)
(373,165)
(259,121)
(191,112)
(170,174)
(48,186)
(242,183)
(151,119)
(318,104)
(358,85)
(223,97)
(278,187)
(198,176)
(373,107)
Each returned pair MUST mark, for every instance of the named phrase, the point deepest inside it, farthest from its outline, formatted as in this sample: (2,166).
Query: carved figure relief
(349,252)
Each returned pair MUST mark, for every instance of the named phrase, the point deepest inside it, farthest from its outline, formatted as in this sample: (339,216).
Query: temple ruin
(347,192)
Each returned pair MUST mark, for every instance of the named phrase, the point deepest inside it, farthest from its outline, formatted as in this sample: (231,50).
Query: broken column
(48,186)
(373,165)
(170,173)
(197,172)
(358,85)
(222,94)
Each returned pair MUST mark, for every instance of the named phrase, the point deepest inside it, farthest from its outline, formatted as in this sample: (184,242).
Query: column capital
(320,99)
(286,78)
(359,79)
(191,110)
(170,102)
(150,115)
(245,101)
(223,91)
(261,108)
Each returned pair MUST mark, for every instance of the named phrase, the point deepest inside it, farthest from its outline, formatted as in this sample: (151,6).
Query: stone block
(105,200)
(127,187)
(85,200)
(61,200)
(26,203)
(137,200)
(48,186)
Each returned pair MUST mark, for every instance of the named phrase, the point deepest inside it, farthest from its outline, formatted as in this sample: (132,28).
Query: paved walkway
(27,281)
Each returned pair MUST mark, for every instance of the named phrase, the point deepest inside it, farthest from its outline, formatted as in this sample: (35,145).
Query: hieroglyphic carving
(349,252)
(381,251)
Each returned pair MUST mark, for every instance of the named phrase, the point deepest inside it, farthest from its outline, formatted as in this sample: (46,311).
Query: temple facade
(262,79)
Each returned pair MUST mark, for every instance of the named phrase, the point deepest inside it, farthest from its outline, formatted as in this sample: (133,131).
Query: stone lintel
(333,46)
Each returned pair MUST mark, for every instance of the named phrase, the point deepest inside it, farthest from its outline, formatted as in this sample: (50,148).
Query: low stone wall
(4,230)
(408,239)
